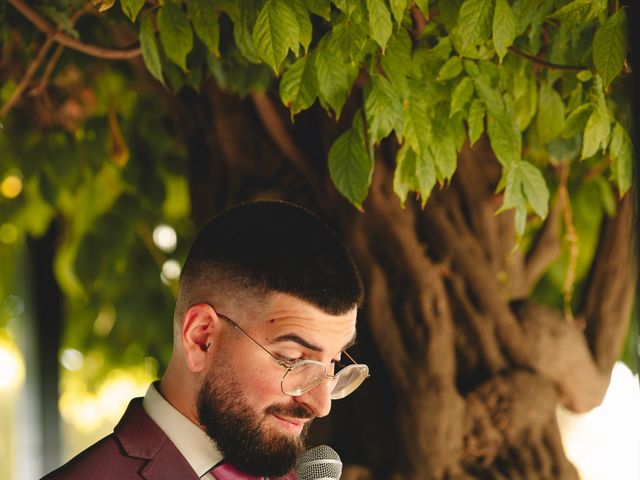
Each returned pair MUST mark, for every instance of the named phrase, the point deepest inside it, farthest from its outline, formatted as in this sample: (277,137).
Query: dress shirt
(192,442)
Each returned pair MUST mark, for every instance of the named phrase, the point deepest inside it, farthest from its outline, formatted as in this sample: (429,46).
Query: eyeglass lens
(303,378)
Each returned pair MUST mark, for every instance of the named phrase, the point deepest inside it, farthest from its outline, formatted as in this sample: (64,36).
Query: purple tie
(226,471)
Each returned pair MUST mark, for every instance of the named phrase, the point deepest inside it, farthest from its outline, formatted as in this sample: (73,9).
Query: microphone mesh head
(321,462)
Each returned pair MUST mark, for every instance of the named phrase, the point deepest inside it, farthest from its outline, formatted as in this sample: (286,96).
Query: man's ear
(198,330)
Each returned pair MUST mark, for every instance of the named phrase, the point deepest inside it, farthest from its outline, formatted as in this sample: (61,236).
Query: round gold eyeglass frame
(359,371)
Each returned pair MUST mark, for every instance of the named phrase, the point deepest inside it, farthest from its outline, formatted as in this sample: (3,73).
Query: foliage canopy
(541,78)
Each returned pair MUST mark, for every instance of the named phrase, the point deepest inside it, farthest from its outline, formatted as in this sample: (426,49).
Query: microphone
(319,463)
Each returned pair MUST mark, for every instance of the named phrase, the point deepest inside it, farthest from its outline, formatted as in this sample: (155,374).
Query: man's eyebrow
(292,337)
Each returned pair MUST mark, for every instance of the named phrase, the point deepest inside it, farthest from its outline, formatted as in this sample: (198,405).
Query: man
(266,309)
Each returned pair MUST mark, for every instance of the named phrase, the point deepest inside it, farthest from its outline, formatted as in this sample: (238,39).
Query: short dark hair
(274,246)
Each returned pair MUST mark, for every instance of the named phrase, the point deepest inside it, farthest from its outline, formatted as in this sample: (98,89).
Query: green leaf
(404,177)
(610,47)
(425,174)
(397,60)
(304,23)
(474,25)
(488,94)
(347,6)
(349,37)
(350,166)
(322,8)
(596,134)
(525,12)
(451,69)
(621,151)
(504,135)
(577,120)
(449,11)
(380,26)
(417,124)
(299,85)
(524,182)
(205,23)
(334,77)
(398,8)
(175,33)
(383,109)
(505,138)
(525,91)
(584,75)
(504,28)
(131,8)
(550,117)
(414,173)
(275,32)
(574,13)
(150,53)
(443,144)
(535,188)
(514,197)
(461,94)
(242,30)
(475,121)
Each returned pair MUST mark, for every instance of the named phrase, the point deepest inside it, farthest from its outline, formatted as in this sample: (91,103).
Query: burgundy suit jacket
(137,449)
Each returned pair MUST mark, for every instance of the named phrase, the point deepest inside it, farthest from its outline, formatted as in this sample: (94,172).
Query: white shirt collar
(192,442)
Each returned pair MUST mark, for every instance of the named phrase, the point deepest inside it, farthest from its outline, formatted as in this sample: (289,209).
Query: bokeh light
(165,238)
(87,410)
(8,233)
(105,321)
(14,305)
(72,359)
(170,271)
(11,185)
(12,369)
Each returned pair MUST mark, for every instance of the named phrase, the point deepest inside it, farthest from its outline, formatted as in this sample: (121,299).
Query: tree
(483,144)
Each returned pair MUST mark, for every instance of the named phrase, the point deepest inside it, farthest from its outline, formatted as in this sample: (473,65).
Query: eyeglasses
(304,375)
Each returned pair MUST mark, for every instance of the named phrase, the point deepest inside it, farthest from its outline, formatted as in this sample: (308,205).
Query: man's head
(292,291)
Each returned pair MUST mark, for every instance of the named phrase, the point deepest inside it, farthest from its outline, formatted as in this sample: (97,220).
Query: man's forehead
(291,319)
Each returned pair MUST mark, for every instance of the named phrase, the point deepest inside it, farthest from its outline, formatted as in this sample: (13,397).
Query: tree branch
(560,352)
(67,41)
(608,296)
(278,132)
(552,66)
(469,259)
(481,327)
(46,75)
(546,247)
(22,86)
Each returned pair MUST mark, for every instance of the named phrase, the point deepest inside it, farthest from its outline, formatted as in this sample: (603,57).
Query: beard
(240,433)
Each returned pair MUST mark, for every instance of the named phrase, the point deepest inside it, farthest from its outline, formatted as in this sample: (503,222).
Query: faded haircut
(268,246)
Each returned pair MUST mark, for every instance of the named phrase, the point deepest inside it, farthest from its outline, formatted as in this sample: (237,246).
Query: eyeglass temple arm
(280,362)
(238,327)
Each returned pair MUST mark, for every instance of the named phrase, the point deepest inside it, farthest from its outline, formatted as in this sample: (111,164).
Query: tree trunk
(466,371)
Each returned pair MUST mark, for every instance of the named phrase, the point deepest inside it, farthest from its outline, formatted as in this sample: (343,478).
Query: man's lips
(294,425)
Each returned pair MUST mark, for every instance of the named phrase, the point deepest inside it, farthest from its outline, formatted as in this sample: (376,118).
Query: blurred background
(106,174)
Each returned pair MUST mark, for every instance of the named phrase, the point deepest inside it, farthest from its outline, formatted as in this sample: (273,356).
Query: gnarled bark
(466,373)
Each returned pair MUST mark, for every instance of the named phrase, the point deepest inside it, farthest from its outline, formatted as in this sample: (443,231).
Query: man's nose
(318,399)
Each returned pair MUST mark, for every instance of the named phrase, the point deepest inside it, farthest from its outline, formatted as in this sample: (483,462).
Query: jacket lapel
(141,437)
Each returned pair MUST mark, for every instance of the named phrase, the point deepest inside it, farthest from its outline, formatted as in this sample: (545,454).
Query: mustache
(295,411)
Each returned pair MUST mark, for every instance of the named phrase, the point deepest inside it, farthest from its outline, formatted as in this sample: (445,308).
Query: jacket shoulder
(104,460)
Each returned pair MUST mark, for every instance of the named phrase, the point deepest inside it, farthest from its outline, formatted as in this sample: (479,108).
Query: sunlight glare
(605,443)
